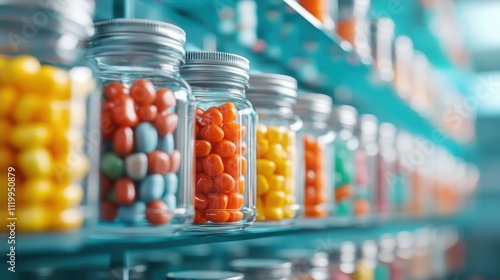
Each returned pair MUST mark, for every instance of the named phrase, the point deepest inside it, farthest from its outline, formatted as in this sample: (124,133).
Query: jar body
(386,163)
(278,198)
(317,145)
(225,160)
(366,173)
(46,115)
(346,146)
(320,9)
(147,147)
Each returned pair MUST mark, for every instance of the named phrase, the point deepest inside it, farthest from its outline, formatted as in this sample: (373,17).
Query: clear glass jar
(386,167)
(366,166)
(386,256)
(257,269)
(402,194)
(314,109)
(346,146)
(147,125)
(367,261)
(403,56)
(225,127)
(273,97)
(306,264)
(346,22)
(204,275)
(48,121)
(320,9)
(343,262)
(381,40)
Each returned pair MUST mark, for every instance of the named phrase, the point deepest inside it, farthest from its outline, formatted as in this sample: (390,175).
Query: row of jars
(185,139)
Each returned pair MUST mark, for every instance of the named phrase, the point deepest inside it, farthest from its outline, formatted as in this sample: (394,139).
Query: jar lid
(272,89)
(368,124)
(203,68)
(387,131)
(315,105)
(262,267)
(345,115)
(204,275)
(304,257)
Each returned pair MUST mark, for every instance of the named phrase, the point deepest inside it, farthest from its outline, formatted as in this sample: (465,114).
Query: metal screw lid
(262,267)
(204,275)
(315,105)
(203,68)
(368,124)
(345,116)
(274,89)
(387,131)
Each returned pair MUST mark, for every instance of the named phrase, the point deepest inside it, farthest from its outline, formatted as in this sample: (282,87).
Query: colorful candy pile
(275,183)
(315,189)
(42,113)
(220,165)
(139,162)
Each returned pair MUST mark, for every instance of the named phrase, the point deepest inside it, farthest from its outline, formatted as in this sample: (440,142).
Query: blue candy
(166,143)
(131,214)
(171,201)
(171,183)
(151,188)
(145,138)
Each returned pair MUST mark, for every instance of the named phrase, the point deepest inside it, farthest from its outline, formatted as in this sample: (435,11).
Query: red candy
(164,100)
(143,92)
(124,191)
(114,91)
(123,141)
(166,123)
(202,148)
(217,216)
(204,183)
(147,113)
(124,112)
(157,213)
(107,125)
(199,217)
(175,161)
(158,162)
(200,201)
(109,211)
(235,200)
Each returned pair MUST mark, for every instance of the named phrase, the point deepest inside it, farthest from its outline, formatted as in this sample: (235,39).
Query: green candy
(112,165)
(344,208)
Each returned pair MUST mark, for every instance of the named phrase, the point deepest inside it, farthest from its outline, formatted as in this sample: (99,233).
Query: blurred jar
(343,262)
(353,26)
(386,257)
(366,165)
(204,275)
(420,262)
(225,127)
(386,168)
(346,146)
(404,252)
(367,261)
(402,195)
(403,55)
(320,9)
(346,22)
(420,93)
(257,269)
(316,136)
(49,121)
(444,189)
(307,264)
(273,97)
(147,124)
(381,42)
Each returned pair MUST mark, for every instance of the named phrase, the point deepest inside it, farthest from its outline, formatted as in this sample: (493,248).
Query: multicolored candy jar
(47,121)
(346,146)
(146,127)
(273,97)
(225,127)
(402,189)
(386,167)
(314,109)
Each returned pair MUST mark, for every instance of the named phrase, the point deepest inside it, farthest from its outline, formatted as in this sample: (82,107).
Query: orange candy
(124,191)
(204,183)
(199,165)
(107,125)
(233,131)
(224,183)
(212,133)
(315,211)
(166,123)
(240,185)
(175,161)
(343,192)
(164,100)
(123,141)
(199,217)
(123,112)
(158,162)
(229,112)
(114,91)
(361,207)
(157,213)
(202,148)
(200,201)
(314,195)
(234,216)
(212,165)
(241,147)
(217,201)
(211,116)
(217,216)
(235,200)
(147,113)
(235,165)
(225,148)
(143,92)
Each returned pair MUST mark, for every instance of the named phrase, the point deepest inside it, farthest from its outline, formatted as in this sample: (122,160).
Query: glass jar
(147,125)
(385,257)
(403,56)
(314,109)
(343,262)
(346,22)
(48,121)
(386,165)
(273,97)
(367,261)
(306,264)
(381,40)
(366,165)
(225,127)
(346,146)
(402,195)
(204,275)
(257,269)
(320,9)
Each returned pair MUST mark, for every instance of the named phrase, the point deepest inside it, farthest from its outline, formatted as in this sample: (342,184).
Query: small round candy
(234,216)
(147,113)
(229,112)
(124,191)
(36,190)
(131,214)
(108,211)
(112,165)
(171,183)
(240,185)
(241,147)
(200,201)
(199,164)
(124,112)
(30,134)
(136,165)
(225,148)
(204,183)
(235,165)
(66,219)
(145,137)
(32,218)
(273,213)
(123,141)
(202,148)
(276,182)
(213,165)
(166,143)
(158,162)
(157,213)
(223,183)
(165,99)
(212,133)
(235,200)
(217,216)
(151,188)
(211,116)
(166,123)
(171,201)
(35,162)
(199,217)
(175,161)
(233,131)
(343,192)
(217,201)
(114,91)
(143,92)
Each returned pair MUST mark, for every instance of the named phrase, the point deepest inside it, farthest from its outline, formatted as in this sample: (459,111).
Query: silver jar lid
(262,268)
(139,32)
(387,131)
(208,69)
(204,275)
(345,115)
(276,89)
(316,106)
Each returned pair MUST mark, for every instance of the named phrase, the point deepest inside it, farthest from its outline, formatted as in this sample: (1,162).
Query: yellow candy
(67,220)
(276,153)
(290,199)
(260,209)
(63,141)
(265,167)
(274,199)
(36,190)
(261,131)
(262,185)
(71,166)
(275,134)
(57,114)
(6,158)
(273,213)
(28,108)
(53,81)
(4,61)
(21,71)
(288,139)
(35,162)
(289,185)
(67,196)
(288,213)
(284,167)
(8,98)
(32,218)
(5,128)
(262,147)
(30,134)
(276,182)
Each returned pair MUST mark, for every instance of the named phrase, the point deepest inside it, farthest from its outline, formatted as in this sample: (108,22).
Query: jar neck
(217,91)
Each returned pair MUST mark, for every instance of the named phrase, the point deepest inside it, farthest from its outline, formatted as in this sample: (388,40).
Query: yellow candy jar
(48,138)
(273,97)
